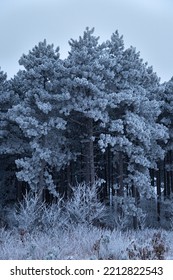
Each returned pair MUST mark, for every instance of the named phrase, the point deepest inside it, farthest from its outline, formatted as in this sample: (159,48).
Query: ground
(85,242)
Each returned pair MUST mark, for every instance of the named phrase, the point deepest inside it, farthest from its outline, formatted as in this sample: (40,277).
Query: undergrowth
(85,242)
(73,230)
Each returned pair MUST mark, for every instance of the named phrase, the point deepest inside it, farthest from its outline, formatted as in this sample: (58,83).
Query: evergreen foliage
(100,115)
(38,116)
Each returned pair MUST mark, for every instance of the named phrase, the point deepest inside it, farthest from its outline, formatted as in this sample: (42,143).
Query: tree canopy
(101,114)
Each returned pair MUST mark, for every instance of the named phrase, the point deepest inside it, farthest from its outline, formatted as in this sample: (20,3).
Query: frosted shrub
(54,216)
(118,219)
(32,214)
(102,247)
(150,249)
(123,212)
(4,235)
(159,247)
(84,206)
(29,212)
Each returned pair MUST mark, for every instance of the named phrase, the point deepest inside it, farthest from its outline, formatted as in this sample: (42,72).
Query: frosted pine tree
(133,131)
(4,152)
(11,143)
(166,119)
(38,116)
(5,104)
(88,67)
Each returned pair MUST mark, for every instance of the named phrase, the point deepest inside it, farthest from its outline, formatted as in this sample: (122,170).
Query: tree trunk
(158,195)
(136,195)
(41,184)
(120,191)
(89,156)
(167,173)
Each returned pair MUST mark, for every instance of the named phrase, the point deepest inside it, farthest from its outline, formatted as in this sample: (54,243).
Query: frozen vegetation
(86,242)
(78,229)
(86,154)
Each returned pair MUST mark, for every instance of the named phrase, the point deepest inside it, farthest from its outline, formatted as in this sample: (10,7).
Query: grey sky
(145,24)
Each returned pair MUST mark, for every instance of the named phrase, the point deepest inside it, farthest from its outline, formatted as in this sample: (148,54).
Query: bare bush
(54,216)
(84,206)
(29,212)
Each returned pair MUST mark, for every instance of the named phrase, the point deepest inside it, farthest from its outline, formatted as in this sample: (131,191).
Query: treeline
(99,116)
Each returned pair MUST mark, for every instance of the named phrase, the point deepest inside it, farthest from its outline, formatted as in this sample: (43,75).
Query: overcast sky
(145,24)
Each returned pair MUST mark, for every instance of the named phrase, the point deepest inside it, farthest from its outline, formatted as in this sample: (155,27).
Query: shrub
(54,216)
(84,206)
(150,249)
(28,213)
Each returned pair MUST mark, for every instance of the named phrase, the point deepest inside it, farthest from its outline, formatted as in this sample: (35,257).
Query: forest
(92,130)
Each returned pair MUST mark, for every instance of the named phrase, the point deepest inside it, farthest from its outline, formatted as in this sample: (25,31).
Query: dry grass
(83,242)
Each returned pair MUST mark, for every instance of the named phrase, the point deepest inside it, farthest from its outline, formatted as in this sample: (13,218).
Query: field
(85,242)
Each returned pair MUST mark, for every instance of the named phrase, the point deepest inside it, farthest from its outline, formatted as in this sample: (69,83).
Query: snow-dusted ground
(83,242)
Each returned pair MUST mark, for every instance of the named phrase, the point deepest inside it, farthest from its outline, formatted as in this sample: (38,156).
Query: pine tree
(87,66)
(166,119)
(4,102)
(11,145)
(100,113)
(38,116)
(133,131)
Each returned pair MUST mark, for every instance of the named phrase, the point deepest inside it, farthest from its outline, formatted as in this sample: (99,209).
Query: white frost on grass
(80,242)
